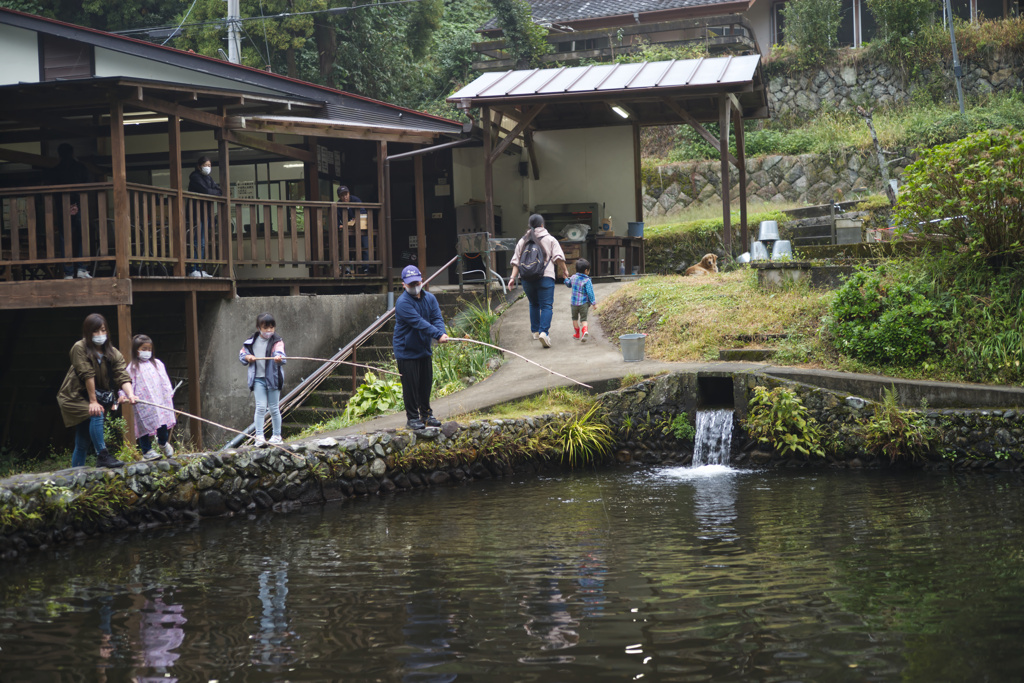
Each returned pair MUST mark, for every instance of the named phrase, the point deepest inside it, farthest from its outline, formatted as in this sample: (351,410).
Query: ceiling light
(620,111)
(298,165)
(151,119)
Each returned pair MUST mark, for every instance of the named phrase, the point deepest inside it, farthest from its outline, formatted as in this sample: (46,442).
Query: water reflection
(272,642)
(665,574)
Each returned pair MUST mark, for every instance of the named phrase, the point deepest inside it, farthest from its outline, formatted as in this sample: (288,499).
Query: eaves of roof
(548,12)
(215,67)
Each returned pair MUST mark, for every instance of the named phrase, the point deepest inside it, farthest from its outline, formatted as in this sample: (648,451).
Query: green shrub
(900,18)
(878,317)
(778,417)
(897,433)
(977,184)
(813,26)
(681,429)
(374,396)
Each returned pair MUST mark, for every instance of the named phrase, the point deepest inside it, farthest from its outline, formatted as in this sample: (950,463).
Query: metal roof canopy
(692,91)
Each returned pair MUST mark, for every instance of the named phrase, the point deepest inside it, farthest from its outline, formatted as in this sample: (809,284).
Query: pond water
(654,574)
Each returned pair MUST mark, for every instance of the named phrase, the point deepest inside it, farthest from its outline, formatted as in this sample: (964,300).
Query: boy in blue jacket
(581,299)
(418,321)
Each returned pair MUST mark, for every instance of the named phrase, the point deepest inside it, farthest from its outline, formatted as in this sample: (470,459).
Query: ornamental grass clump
(583,438)
(778,417)
(897,433)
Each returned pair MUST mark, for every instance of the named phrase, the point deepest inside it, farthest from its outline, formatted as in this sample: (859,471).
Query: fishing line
(475,341)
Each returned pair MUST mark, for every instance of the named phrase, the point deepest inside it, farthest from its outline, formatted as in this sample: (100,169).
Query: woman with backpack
(536,258)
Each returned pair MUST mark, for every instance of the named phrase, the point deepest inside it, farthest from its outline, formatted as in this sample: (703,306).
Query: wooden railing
(42,228)
(319,239)
(337,240)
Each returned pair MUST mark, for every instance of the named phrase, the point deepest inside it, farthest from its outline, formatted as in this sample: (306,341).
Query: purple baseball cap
(411,274)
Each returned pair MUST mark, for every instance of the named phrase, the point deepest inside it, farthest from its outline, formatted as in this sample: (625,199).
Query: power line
(283,15)
(175,31)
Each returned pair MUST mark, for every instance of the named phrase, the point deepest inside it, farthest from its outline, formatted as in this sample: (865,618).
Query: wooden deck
(164,234)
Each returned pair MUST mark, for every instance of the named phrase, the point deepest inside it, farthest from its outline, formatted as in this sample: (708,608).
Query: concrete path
(599,360)
(596,360)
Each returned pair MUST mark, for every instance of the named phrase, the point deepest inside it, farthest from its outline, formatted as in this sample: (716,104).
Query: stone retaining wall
(870,84)
(40,510)
(806,179)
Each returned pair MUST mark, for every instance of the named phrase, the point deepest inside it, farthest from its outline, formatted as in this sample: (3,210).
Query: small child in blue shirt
(581,299)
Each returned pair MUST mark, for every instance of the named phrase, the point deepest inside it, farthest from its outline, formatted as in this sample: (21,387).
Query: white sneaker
(69,277)
(84,274)
(536,336)
(150,455)
(545,340)
(276,439)
(203,273)
(195,273)
(260,441)
(168,449)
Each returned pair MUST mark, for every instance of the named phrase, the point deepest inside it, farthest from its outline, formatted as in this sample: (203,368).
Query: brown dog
(707,265)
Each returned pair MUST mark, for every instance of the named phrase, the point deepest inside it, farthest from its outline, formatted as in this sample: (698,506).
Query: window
(846,24)
(60,58)
(778,24)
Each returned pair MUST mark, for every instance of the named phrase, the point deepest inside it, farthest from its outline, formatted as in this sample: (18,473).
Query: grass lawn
(691,318)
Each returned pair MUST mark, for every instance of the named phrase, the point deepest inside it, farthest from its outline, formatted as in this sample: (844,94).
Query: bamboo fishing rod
(475,341)
(327,360)
(203,419)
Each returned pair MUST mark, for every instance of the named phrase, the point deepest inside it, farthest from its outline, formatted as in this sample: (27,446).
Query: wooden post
(124,345)
(177,241)
(192,357)
(225,185)
(723,127)
(485,114)
(421,223)
(311,176)
(122,221)
(741,157)
(384,219)
(638,182)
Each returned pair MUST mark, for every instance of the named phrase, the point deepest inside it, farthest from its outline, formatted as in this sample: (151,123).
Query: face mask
(207,170)
(99,339)
(414,289)
(266,335)
(145,355)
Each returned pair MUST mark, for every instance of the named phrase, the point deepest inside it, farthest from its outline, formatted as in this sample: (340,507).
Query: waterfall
(714,437)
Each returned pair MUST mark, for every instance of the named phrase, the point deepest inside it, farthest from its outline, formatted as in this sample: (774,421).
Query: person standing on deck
(418,322)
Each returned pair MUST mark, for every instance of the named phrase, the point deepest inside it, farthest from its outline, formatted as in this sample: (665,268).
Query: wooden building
(138,115)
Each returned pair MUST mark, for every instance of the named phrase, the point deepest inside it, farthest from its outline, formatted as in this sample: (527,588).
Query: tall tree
(525,41)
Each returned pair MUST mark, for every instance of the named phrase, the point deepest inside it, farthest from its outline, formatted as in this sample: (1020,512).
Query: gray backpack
(532,259)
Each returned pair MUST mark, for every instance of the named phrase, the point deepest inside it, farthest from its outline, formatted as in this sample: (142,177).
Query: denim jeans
(541,295)
(87,433)
(266,399)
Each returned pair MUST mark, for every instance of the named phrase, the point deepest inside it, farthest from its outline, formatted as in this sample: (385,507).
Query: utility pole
(958,72)
(234,37)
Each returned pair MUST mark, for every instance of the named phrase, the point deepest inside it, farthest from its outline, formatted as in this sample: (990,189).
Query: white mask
(99,339)
(145,355)
(266,335)
(413,289)
(207,170)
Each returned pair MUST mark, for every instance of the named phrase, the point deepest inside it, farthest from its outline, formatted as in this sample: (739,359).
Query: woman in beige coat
(97,371)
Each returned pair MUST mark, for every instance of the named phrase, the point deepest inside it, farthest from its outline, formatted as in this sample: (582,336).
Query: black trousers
(417,380)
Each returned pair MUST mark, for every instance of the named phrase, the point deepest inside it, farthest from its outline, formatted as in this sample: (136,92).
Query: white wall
(19,54)
(584,165)
(759,16)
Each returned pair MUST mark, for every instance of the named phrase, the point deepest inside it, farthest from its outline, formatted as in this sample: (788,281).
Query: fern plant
(778,417)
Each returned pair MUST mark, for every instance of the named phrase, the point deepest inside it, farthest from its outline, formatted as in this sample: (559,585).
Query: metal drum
(743,258)
(758,252)
(782,250)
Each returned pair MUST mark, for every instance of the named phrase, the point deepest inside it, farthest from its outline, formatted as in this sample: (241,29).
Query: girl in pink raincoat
(151,383)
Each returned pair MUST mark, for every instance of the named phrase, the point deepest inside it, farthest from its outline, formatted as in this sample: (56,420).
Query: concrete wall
(585,165)
(20,53)
(314,326)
